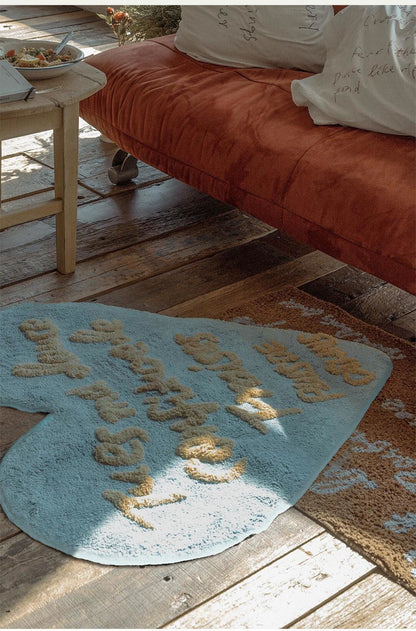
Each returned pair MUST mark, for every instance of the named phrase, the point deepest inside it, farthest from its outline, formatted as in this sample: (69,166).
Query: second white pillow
(369,78)
(255,36)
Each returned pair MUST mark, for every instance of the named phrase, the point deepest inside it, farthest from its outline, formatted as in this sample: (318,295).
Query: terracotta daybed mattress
(237,135)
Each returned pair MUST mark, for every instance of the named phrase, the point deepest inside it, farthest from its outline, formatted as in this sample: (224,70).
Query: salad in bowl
(35,58)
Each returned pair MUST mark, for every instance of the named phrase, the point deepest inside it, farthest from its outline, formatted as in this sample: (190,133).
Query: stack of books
(13,85)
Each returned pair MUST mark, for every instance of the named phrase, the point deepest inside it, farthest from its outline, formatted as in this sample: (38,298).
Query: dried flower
(120,15)
(138,22)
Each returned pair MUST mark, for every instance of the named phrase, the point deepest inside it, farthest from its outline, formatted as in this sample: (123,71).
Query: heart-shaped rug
(169,439)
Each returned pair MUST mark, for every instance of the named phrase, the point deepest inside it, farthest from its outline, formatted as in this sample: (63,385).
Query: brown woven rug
(367,493)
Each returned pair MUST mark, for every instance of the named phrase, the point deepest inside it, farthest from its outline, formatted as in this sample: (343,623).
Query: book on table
(13,85)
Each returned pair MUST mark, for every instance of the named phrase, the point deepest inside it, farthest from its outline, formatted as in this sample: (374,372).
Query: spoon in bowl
(60,46)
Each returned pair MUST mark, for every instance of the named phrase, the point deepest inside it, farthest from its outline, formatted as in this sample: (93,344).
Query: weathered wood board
(373,603)
(285,589)
(43,585)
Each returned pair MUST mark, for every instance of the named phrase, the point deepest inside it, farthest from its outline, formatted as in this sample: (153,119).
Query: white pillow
(369,78)
(255,36)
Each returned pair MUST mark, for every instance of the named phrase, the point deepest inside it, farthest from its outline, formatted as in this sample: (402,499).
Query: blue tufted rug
(169,439)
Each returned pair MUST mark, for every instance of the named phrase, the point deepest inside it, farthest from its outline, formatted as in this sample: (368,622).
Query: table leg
(0,171)
(66,187)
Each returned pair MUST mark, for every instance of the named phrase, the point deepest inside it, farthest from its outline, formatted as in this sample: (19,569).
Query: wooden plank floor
(159,245)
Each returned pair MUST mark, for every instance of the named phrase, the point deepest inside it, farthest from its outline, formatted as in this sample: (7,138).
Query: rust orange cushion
(237,135)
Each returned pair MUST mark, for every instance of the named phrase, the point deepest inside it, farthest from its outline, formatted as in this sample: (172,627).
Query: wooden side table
(57,109)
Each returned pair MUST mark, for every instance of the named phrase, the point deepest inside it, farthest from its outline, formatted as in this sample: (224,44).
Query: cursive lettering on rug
(204,348)
(309,387)
(110,451)
(126,505)
(108,408)
(53,358)
(199,443)
(405,465)
(101,331)
(339,362)
(343,330)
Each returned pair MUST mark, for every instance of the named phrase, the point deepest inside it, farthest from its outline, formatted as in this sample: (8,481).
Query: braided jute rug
(366,494)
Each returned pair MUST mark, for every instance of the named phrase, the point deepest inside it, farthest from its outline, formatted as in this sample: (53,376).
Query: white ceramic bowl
(38,74)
